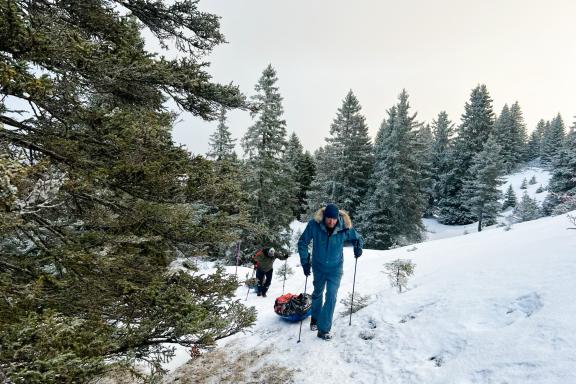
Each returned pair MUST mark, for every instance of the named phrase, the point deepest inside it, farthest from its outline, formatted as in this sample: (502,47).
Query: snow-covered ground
(489,307)
(435,230)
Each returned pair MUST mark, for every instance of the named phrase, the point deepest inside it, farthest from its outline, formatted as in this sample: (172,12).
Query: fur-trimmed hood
(319,216)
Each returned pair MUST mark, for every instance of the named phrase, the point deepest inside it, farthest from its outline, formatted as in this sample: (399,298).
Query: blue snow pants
(323,308)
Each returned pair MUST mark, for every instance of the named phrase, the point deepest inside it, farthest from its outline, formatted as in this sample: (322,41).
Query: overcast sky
(523,50)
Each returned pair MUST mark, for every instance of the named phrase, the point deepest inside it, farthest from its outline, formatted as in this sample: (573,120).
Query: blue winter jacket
(327,251)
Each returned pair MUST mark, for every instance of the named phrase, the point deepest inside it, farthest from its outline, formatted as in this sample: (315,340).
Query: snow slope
(489,307)
(435,230)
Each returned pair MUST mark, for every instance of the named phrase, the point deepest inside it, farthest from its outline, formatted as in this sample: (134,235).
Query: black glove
(306,268)
(357,249)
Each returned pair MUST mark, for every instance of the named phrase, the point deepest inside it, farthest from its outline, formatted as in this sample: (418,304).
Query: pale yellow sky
(438,50)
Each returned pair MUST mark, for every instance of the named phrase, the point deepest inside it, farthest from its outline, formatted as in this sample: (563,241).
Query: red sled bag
(293,307)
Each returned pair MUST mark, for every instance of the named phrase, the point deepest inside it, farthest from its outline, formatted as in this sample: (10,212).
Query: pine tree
(221,143)
(509,198)
(562,185)
(519,135)
(552,140)
(526,209)
(534,146)
(481,189)
(268,180)
(442,129)
(305,173)
(524,184)
(392,213)
(503,134)
(345,182)
(293,158)
(96,199)
(424,145)
(477,125)
(303,170)
(532,180)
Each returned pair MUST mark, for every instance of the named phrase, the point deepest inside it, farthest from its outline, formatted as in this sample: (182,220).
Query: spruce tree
(477,125)
(305,173)
(349,152)
(562,185)
(509,198)
(533,148)
(552,140)
(424,145)
(392,213)
(95,206)
(268,180)
(526,209)
(221,143)
(481,188)
(519,135)
(503,134)
(442,129)
(302,169)
(524,184)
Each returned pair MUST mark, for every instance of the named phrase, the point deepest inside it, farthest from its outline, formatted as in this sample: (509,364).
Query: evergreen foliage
(392,213)
(95,203)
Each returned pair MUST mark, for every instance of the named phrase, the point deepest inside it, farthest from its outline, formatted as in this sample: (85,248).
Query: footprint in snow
(414,314)
(526,305)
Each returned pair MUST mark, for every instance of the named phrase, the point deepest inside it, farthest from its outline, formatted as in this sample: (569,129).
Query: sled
(292,307)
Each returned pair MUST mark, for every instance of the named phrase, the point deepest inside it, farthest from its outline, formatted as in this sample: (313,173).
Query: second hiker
(263,264)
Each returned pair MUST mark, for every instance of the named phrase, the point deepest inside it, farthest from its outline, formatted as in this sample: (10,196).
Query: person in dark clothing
(263,264)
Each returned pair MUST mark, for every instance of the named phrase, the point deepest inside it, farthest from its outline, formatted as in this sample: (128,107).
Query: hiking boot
(313,325)
(258,293)
(324,335)
(263,294)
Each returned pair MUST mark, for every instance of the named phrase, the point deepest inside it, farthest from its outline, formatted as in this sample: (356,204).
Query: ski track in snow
(489,307)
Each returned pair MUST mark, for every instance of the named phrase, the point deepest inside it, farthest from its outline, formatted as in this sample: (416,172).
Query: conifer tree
(97,208)
(526,209)
(221,143)
(562,185)
(509,198)
(477,125)
(533,148)
(519,134)
(268,180)
(442,129)
(302,168)
(552,140)
(524,184)
(424,145)
(481,189)
(350,160)
(392,213)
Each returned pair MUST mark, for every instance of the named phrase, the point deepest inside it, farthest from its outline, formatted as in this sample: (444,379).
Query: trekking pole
(353,286)
(285,271)
(253,271)
(237,256)
(301,321)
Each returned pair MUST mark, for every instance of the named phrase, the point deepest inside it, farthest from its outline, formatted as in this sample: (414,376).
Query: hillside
(489,307)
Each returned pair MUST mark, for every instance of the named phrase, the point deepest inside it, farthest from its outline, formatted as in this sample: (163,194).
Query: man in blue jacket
(328,231)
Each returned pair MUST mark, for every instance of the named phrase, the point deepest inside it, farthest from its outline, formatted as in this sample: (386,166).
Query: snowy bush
(284,271)
(540,189)
(360,301)
(398,272)
(527,209)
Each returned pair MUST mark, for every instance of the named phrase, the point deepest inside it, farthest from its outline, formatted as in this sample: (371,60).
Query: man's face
(330,222)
